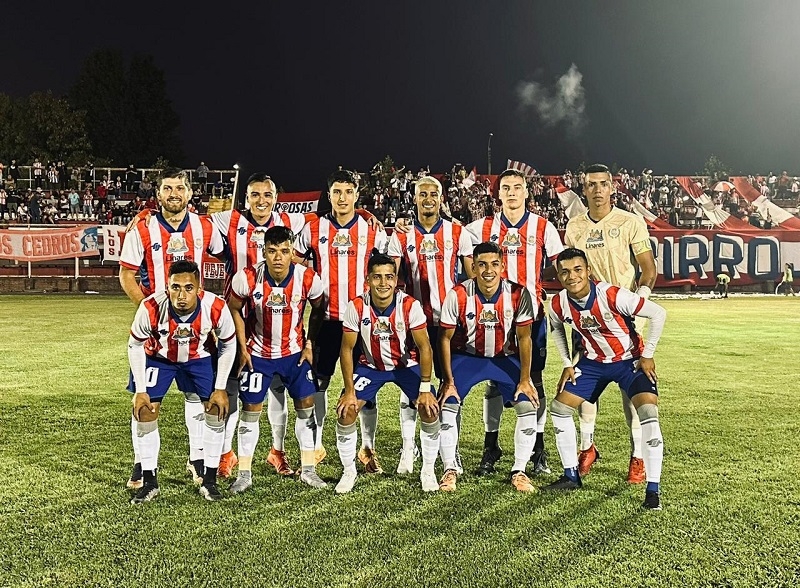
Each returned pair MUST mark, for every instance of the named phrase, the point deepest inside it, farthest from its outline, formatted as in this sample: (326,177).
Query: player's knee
(305,413)
(349,416)
(214,423)
(191,397)
(492,391)
(427,414)
(647,413)
(559,409)
(432,427)
(524,408)
(303,403)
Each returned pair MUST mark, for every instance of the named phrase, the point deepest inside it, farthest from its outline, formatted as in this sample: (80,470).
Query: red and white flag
(470,180)
(522,167)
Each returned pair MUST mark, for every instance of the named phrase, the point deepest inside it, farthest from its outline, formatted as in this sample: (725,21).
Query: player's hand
(142,400)
(647,366)
(526,388)
(307,355)
(427,401)
(448,390)
(218,400)
(374,223)
(403,225)
(245,361)
(347,402)
(568,375)
(143,215)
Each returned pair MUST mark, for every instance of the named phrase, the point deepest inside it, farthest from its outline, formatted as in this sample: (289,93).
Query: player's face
(513,193)
(382,281)
(261,198)
(428,200)
(278,258)
(174,195)
(598,187)
(183,289)
(488,268)
(574,276)
(343,197)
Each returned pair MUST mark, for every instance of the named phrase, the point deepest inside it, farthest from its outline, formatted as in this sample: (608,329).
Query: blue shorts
(298,379)
(504,370)
(368,381)
(195,376)
(592,377)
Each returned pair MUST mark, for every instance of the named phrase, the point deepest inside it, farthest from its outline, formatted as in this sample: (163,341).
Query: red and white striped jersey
(244,238)
(153,245)
(486,328)
(386,339)
(605,321)
(525,246)
(340,258)
(275,311)
(182,338)
(432,262)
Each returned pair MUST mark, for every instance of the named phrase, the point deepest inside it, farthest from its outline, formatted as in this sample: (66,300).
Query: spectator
(37,174)
(131,177)
(13,172)
(34,207)
(74,204)
(88,204)
(202,175)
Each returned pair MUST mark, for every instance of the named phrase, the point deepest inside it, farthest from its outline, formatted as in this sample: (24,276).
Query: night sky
(297,89)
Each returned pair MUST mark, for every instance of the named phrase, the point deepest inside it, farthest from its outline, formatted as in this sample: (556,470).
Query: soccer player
(431,253)
(391,328)
(485,334)
(603,314)
(526,240)
(340,244)
(171,339)
(170,235)
(723,279)
(275,292)
(786,282)
(615,243)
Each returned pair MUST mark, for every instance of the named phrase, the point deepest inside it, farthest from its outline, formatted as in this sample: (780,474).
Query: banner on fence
(301,202)
(48,244)
(113,236)
(213,270)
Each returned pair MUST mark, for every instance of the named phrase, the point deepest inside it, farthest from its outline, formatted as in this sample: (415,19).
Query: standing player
(391,328)
(340,244)
(171,338)
(615,242)
(603,314)
(275,292)
(786,282)
(526,240)
(170,235)
(431,253)
(485,334)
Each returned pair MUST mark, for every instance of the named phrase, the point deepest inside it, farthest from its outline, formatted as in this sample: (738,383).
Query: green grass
(729,390)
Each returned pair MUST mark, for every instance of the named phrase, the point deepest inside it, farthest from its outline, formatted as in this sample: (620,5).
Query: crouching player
(392,329)
(274,344)
(603,316)
(172,339)
(487,320)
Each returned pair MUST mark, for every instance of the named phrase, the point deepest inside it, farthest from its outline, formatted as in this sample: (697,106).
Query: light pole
(235,184)
(489,153)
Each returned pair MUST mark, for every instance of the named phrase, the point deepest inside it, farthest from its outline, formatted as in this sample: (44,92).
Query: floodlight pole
(489,153)
(235,185)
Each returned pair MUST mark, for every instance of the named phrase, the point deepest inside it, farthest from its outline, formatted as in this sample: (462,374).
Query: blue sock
(572,474)
(652,487)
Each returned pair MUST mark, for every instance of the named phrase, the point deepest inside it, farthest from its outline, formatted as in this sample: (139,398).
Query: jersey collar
(424,231)
(521,222)
(387,311)
(495,296)
(338,226)
(285,281)
(252,221)
(163,222)
(589,301)
(190,319)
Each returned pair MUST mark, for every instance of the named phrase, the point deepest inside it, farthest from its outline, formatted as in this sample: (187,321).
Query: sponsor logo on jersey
(183,333)
(276,299)
(177,244)
(488,317)
(428,247)
(595,239)
(410,248)
(589,322)
(511,240)
(382,326)
(341,240)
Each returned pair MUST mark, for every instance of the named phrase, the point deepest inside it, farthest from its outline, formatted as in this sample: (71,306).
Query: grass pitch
(729,390)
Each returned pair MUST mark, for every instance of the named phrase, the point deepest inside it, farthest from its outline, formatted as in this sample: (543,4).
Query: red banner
(48,244)
(301,202)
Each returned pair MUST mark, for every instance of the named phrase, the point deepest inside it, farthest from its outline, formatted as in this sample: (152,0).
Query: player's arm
(127,279)
(525,346)
(426,398)
(658,317)
(347,401)
(559,337)
(236,304)
(647,266)
(447,388)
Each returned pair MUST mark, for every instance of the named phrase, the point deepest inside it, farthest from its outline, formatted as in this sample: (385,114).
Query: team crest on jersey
(488,317)
(511,240)
(613,233)
(296,298)
(595,239)
(607,316)
(589,322)
(508,313)
(401,326)
(342,240)
(198,242)
(428,247)
(276,299)
(177,244)
(531,240)
(183,333)
(448,243)
(382,326)
(362,240)
(258,236)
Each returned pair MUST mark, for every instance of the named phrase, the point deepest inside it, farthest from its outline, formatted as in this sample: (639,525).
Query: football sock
(150,476)
(408,421)
(213,437)
(490,439)
(320,410)
(304,426)
(587,413)
(249,430)
(429,440)
(135,442)
(635,427)
(448,437)
(492,409)
(149,441)
(346,441)
(277,414)
(524,434)
(233,415)
(653,445)
(195,422)
(541,412)
(368,418)
(564,427)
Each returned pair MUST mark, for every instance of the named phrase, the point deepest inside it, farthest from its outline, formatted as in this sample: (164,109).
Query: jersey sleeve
(132,254)
(395,249)
(465,245)
(381,241)
(448,318)
(351,320)
(303,240)
(473,234)
(568,237)
(317,289)
(525,311)
(627,303)
(297,220)
(217,245)
(221,220)
(141,327)
(552,242)
(240,286)
(640,237)
(225,330)
(416,317)
(559,336)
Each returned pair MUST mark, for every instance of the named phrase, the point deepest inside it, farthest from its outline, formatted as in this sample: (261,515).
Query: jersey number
(361,383)
(251,382)
(150,377)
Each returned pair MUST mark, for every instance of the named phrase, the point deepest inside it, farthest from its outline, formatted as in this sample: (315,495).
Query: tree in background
(715,169)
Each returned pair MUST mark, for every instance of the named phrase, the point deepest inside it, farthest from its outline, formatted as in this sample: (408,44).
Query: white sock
(448,438)
(304,426)
(492,409)
(320,410)
(368,419)
(277,414)
(566,441)
(408,421)
(149,441)
(587,413)
(249,430)
(135,442)
(213,438)
(524,435)
(346,442)
(654,445)
(194,417)
(634,425)
(429,435)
